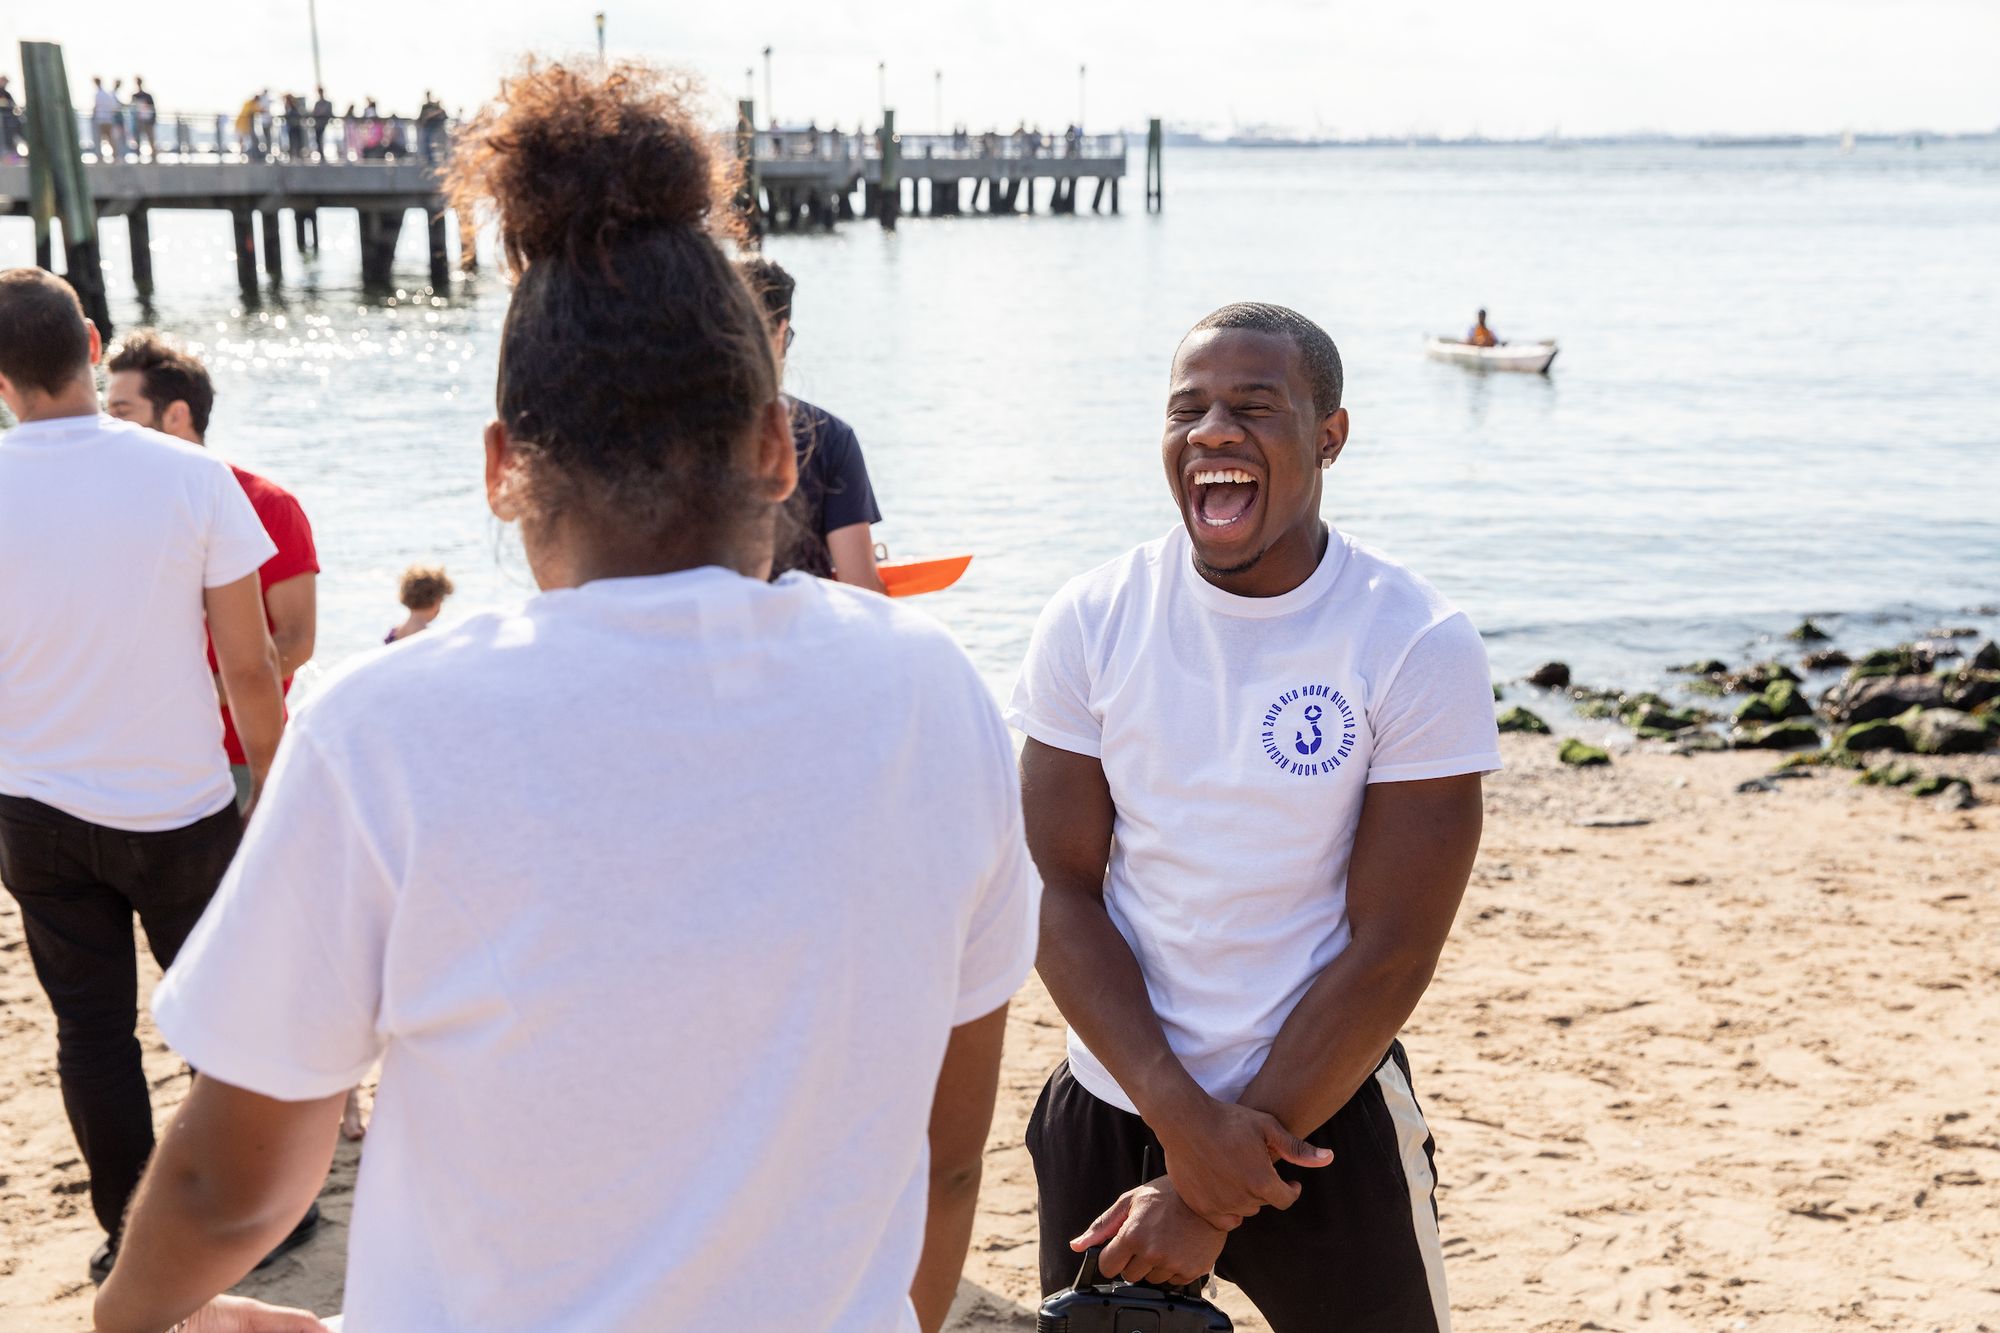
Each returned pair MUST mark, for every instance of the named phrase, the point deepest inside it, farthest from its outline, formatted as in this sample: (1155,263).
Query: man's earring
(1325,463)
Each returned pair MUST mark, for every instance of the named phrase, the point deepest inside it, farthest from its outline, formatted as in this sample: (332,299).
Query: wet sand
(1734,1067)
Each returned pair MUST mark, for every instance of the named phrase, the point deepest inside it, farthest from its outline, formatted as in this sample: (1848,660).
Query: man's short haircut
(170,374)
(425,586)
(1320,357)
(770,284)
(44,341)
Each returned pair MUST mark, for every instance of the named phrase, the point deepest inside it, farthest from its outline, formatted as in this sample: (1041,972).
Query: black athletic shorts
(1357,1253)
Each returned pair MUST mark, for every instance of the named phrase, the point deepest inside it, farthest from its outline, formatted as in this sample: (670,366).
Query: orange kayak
(920,576)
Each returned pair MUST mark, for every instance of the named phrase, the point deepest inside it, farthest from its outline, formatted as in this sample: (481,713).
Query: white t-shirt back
(109,534)
(1238,736)
(658,899)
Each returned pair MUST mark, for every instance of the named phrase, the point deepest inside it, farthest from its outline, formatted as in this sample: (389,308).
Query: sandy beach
(1695,1058)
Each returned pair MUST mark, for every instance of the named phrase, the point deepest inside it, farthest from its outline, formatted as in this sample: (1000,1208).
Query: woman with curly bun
(651,1058)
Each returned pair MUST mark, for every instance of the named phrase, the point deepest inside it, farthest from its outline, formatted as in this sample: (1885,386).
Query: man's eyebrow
(1258,387)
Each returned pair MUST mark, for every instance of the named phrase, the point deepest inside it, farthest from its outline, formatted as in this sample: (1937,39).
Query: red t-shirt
(283,518)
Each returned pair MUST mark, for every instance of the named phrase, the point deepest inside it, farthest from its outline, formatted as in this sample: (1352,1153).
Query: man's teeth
(1211,476)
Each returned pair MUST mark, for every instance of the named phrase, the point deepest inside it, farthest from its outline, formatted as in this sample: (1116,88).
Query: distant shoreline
(1182,139)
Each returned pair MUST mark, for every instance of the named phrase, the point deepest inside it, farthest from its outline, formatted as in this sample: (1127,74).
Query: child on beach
(650,1058)
(424,589)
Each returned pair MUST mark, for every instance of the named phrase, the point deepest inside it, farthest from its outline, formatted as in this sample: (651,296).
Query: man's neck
(79,400)
(1285,565)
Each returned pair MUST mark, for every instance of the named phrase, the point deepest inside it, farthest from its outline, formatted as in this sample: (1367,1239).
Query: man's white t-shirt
(658,899)
(107,106)
(1238,736)
(109,535)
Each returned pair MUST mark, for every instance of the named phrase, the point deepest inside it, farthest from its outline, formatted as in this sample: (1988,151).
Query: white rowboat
(1533,358)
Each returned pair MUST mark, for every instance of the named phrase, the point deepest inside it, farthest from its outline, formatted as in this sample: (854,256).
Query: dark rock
(1987,658)
(1750,785)
(1958,796)
(1594,703)
(1779,736)
(1867,737)
(1518,718)
(1707,666)
(1781,701)
(1870,698)
(1496,693)
(1903,660)
(1967,688)
(1937,649)
(1807,632)
(1699,742)
(1550,675)
(1756,679)
(1826,659)
(1943,731)
(1889,775)
(1953,632)
(1575,752)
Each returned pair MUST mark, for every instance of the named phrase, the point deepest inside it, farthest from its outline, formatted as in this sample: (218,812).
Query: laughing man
(1273,738)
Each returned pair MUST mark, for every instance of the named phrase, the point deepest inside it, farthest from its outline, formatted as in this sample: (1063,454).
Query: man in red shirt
(165,388)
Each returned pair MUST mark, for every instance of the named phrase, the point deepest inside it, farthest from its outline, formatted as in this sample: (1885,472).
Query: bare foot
(352,1123)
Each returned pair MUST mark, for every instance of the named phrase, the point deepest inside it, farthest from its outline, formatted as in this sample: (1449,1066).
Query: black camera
(1094,1305)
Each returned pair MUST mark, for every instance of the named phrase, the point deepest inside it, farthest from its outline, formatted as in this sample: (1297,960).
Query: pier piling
(139,225)
(440,256)
(246,251)
(274,250)
(57,188)
(1155,176)
(892,181)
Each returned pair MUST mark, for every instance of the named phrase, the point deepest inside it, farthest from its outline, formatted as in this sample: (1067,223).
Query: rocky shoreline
(1932,698)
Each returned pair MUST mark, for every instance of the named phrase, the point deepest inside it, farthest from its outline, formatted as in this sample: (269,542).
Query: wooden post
(380,229)
(748,194)
(1155,173)
(299,232)
(274,249)
(1097,197)
(1114,194)
(440,249)
(468,245)
(246,251)
(892,181)
(139,225)
(56,184)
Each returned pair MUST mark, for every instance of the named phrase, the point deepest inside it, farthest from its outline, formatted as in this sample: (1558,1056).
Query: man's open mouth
(1222,496)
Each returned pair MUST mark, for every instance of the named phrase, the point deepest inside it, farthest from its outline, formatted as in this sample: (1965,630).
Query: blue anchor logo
(1313,714)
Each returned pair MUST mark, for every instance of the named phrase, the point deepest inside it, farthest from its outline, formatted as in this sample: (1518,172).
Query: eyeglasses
(790,333)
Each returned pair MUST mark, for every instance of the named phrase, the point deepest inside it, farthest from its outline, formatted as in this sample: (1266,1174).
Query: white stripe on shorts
(1410,1135)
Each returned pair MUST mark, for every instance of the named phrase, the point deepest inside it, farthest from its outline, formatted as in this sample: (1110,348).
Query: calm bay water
(1778,391)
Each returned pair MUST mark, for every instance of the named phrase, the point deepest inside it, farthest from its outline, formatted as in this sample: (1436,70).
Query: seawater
(1777,395)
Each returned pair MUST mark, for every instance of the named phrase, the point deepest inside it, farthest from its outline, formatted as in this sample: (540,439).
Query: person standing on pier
(322,115)
(145,117)
(107,129)
(1252,786)
(115,797)
(834,507)
(166,388)
(10,123)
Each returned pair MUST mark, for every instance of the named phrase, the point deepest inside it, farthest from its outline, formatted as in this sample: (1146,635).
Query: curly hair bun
(576,160)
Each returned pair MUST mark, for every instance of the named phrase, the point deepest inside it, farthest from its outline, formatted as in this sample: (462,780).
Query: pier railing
(815,145)
(203,136)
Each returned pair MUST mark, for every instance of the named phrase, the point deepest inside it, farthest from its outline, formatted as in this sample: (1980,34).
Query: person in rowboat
(1481,336)
(1273,737)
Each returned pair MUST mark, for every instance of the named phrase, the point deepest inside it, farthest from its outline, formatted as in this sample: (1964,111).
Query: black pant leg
(169,877)
(1359,1250)
(79,932)
(1086,1153)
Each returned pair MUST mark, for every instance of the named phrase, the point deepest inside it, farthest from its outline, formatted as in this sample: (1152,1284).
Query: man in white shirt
(118,547)
(107,115)
(1272,736)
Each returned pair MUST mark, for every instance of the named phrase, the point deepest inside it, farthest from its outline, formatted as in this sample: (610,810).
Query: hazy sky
(1505,67)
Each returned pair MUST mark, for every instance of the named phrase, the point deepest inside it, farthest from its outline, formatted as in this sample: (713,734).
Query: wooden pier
(385,167)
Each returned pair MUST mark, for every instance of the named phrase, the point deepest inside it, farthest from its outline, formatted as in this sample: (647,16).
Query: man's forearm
(1335,1036)
(954,1196)
(295,649)
(257,705)
(1095,980)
